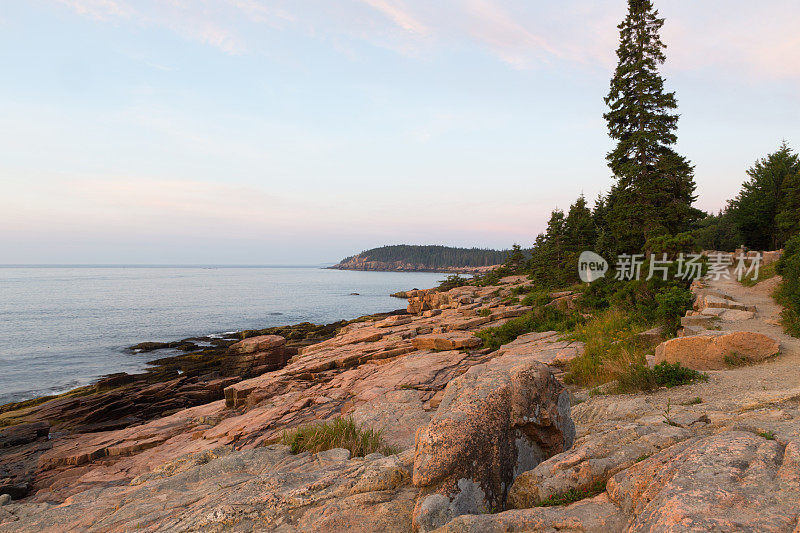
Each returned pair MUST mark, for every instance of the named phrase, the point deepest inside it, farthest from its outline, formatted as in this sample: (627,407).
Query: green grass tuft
(611,349)
(539,319)
(337,433)
(769,435)
(573,495)
(734,359)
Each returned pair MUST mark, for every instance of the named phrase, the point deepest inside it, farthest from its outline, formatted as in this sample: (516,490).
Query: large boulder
(256,355)
(717,350)
(262,343)
(496,421)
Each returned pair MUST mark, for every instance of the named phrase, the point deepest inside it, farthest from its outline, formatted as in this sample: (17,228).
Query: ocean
(63,327)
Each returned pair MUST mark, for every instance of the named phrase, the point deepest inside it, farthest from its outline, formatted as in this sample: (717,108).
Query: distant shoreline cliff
(410,258)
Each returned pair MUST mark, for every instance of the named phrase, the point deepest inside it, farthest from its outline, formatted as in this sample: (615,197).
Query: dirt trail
(781,373)
(730,397)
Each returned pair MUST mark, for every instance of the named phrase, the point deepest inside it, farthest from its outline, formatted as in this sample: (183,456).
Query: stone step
(715,302)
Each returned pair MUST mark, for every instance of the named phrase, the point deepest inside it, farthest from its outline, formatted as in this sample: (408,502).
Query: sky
(302,131)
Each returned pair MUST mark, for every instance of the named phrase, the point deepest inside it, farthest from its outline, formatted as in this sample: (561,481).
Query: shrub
(537,299)
(673,375)
(639,297)
(492,277)
(539,319)
(641,377)
(452,282)
(671,304)
(338,433)
(788,293)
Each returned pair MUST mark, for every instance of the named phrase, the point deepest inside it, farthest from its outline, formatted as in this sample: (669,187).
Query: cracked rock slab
(732,481)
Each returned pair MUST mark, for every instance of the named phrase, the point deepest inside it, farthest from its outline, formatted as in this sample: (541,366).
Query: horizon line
(161,265)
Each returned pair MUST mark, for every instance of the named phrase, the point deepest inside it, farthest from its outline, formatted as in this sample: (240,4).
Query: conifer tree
(579,230)
(515,258)
(654,186)
(764,209)
(788,218)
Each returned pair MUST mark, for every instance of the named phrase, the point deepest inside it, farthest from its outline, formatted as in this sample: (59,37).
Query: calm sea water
(63,327)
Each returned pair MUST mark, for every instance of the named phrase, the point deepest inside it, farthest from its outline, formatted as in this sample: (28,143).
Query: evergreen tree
(755,210)
(555,238)
(547,264)
(654,186)
(515,259)
(787,220)
(579,229)
(718,232)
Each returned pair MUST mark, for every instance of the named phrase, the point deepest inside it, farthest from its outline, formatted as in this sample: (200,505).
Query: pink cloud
(398,14)
(737,38)
(99,9)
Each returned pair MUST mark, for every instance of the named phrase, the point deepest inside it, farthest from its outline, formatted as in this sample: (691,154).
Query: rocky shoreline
(487,440)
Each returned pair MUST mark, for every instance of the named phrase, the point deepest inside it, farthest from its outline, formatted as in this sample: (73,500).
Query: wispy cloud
(737,37)
(510,40)
(100,9)
(398,14)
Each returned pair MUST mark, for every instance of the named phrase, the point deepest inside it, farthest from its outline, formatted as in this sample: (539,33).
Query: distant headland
(416,258)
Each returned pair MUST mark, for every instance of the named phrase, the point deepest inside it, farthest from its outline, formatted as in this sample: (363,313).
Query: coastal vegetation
(539,319)
(573,495)
(337,433)
(788,293)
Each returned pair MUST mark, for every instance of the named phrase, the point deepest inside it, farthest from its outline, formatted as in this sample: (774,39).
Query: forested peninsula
(414,258)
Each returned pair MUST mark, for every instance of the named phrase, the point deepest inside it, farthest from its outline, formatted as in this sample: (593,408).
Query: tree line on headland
(430,257)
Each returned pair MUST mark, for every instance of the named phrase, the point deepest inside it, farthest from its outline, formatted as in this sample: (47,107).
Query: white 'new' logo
(591,267)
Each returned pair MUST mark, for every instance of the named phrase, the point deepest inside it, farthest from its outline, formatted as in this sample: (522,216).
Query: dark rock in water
(149,346)
(188,347)
(354,294)
(114,380)
(184,345)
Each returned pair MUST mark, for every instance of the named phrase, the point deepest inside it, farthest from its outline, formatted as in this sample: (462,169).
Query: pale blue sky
(300,131)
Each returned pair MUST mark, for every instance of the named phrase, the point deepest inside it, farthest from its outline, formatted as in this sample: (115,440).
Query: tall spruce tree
(580,232)
(654,186)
